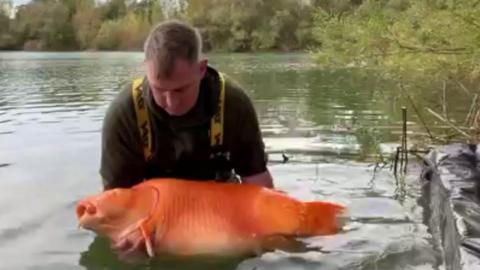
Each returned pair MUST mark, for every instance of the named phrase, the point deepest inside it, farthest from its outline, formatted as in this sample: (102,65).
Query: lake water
(51,110)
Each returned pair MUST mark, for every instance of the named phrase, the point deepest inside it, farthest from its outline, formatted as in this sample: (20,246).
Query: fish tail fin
(321,218)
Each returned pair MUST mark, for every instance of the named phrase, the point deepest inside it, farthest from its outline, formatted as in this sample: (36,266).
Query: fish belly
(207,234)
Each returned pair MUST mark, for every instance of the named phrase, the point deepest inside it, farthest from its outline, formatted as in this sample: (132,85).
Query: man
(184,119)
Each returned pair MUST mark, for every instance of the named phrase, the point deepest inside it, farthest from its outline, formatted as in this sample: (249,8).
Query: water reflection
(292,96)
(100,256)
(51,110)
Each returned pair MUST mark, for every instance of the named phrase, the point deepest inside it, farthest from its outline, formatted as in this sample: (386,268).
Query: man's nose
(170,99)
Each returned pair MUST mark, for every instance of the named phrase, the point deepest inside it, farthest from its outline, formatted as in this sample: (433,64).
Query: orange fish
(182,217)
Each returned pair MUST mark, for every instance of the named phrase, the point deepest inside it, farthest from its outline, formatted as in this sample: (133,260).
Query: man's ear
(202,65)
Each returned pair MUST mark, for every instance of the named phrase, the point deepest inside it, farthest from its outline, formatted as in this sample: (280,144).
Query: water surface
(51,111)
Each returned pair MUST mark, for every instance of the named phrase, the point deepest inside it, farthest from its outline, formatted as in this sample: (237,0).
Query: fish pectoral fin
(282,242)
(147,230)
(146,234)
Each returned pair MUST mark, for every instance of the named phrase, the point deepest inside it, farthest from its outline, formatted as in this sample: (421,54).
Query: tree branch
(412,48)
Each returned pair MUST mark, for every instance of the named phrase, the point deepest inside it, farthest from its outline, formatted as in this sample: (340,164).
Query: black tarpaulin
(451,200)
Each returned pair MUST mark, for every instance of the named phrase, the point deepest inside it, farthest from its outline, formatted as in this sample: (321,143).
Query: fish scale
(197,221)
(199,217)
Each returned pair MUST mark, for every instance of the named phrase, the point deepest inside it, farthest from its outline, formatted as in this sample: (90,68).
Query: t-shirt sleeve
(248,149)
(122,163)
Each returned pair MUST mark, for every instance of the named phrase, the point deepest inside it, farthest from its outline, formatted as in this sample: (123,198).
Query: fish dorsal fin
(280,191)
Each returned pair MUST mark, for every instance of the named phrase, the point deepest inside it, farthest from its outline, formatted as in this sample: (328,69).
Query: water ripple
(50,124)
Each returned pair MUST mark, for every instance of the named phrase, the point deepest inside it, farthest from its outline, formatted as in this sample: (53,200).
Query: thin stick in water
(463,87)
(395,166)
(400,151)
(417,112)
(444,99)
(471,110)
(404,143)
(448,122)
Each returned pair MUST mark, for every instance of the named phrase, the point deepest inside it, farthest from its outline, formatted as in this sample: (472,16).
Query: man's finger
(121,245)
(138,245)
(134,253)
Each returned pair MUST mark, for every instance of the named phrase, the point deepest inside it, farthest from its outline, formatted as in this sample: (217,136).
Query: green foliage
(108,36)
(43,24)
(134,31)
(125,34)
(369,141)
(79,24)
(6,38)
(237,25)
(113,9)
(86,22)
(252,25)
(423,45)
(394,34)
(404,38)
(5,7)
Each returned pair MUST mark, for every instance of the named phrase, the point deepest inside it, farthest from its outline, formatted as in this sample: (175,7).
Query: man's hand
(263,179)
(131,251)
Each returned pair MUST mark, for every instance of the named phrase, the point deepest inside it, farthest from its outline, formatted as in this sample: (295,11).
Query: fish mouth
(84,208)
(81,209)
(86,212)
(90,218)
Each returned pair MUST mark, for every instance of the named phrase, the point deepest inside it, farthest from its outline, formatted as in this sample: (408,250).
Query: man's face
(178,93)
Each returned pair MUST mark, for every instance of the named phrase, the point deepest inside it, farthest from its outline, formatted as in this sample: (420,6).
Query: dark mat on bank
(451,199)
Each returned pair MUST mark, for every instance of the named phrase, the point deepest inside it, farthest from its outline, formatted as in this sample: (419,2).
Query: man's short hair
(169,41)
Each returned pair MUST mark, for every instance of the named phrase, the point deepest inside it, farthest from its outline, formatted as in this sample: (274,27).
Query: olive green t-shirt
(181,144)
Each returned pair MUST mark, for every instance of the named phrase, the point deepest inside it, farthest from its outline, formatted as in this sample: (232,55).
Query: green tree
(252,25)
(44,24)
(86,22)
(134,31)
(158,13)
(231,25)
(113,9)
(7,40)
(406,37)
(425,46)
(108,37)
(128,33)
(150,11)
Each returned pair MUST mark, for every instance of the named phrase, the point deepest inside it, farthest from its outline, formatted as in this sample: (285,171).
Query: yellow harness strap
(143,122)
(216,127)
